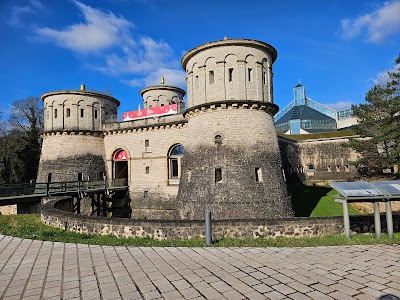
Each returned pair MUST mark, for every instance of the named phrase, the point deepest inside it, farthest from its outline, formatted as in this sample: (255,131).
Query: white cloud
(100,30)
(172,77)
(17,12)
(146,55)
(133,82)
(37,4)
(340,105)
(379,24)
(143,59)
(382,78)
(147,61)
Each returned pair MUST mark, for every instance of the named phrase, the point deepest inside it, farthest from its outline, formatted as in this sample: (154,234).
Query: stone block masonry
(318,161)
(232,165)
(190,229)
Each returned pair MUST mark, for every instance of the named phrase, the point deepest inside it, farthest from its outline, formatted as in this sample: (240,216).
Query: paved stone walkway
(44,270)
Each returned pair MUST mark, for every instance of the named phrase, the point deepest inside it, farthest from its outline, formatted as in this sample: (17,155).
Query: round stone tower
(73,147)
(232,165)
(161,95)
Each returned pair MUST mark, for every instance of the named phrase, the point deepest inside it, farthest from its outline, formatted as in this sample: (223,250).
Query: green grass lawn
(328,207)
(317,201)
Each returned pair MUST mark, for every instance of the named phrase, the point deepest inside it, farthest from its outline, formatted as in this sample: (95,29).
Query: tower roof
(230,42)
(162,87)
(80,92)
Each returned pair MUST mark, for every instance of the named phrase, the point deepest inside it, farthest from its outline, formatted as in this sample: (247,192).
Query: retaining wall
(189,229)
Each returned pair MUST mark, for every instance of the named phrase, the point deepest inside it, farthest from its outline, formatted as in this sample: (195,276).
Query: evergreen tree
(379,126)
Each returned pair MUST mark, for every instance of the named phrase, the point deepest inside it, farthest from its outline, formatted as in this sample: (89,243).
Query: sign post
(375,192)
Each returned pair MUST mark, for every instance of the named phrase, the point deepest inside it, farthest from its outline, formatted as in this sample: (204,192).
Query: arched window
(120,155)
(120,166)
(175,161)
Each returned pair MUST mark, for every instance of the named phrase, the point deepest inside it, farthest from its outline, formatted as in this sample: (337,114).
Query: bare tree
(26,125)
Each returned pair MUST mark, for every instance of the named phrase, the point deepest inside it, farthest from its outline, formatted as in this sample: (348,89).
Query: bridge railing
(48,188)
(10,190)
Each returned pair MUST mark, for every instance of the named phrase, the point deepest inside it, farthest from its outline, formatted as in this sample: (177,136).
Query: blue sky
(337,48)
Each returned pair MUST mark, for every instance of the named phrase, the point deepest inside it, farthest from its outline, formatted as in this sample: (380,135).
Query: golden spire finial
(162,80)
(83,88)
(226,38)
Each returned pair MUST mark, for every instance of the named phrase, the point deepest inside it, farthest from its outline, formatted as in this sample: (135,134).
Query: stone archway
(120,166)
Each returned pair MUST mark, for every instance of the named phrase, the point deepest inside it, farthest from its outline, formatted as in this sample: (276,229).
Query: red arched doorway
(120,166)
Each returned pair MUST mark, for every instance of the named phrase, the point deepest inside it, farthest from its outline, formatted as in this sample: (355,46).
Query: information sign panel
(357,189)
(377,191)
(390,187)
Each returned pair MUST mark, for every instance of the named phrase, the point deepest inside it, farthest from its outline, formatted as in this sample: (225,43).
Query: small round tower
(73,147)
(232,165)
(161,95)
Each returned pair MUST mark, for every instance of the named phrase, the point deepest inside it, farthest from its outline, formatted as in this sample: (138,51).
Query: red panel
(121,155)
(151,112)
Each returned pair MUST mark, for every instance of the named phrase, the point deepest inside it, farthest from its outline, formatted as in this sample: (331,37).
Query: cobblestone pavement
(44,270)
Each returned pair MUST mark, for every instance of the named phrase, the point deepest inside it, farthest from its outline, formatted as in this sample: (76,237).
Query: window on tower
(175,156)
(218,175)
(259,176)
(211,77)
(230,74)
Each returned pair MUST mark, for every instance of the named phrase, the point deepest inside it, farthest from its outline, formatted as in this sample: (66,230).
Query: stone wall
(238,175)
(148,144)
(64,155)
(317,161)
(190,229)
(8,210)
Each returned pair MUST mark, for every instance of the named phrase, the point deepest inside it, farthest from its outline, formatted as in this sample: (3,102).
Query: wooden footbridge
(98,191)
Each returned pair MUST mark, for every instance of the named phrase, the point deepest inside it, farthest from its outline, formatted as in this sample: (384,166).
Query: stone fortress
(221,153)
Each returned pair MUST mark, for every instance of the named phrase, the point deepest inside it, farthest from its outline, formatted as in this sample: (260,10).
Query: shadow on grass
(305,198)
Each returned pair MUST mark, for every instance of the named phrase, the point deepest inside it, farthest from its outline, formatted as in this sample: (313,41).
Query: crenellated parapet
(269,108)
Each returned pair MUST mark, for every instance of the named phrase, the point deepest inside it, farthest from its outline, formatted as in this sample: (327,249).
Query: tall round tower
(232,165)
(73,146)
(161,95)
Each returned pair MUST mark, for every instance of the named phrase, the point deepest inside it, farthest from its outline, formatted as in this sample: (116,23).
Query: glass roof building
(304,115)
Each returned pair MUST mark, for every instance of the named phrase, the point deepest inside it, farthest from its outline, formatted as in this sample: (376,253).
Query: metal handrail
(48,188)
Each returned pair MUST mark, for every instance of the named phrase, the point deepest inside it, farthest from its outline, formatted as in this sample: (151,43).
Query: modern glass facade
(344,114)
(304,115)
